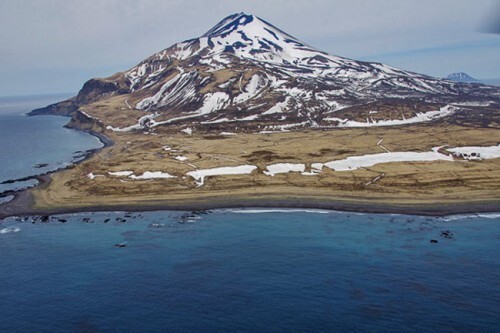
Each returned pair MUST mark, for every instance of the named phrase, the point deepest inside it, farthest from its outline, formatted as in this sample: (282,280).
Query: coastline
(106,142)
(23,202)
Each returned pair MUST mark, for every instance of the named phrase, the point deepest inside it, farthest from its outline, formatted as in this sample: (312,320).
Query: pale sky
(52,46)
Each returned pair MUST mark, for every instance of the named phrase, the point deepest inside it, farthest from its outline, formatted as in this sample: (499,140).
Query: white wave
(6,199)
(9,230)
(264,211)
(472,216)
(490,215)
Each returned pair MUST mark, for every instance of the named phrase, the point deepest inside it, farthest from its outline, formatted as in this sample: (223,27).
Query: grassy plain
(403,184)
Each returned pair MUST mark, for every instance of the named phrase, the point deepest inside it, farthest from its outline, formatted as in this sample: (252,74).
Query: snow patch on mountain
(212,102)
(200,175)
(121,173)
(253,88)
(278,168)
(278,108)
(356,162)
(476,153)
(419,118)
(180,89)
(152,175)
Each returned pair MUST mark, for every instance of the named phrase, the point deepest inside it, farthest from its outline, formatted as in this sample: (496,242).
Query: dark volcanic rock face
(64,108)
(94,89)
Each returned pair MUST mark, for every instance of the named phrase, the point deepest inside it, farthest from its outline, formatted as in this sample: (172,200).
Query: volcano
(246,74)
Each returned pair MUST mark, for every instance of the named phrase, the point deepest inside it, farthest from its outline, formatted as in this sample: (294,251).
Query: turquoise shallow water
(230,270)
(248,272)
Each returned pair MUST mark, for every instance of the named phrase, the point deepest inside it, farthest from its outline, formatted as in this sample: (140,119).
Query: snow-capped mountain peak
(249,37)
(241,31)
(247,72)
(242,22)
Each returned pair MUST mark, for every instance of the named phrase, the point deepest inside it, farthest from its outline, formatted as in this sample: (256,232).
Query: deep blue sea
(246,270)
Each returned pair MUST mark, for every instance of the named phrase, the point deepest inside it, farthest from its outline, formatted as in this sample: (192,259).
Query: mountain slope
(246,73)
(461,77)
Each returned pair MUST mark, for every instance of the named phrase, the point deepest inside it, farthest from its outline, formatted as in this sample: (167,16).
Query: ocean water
(237,271)
(233,270)
(34,145)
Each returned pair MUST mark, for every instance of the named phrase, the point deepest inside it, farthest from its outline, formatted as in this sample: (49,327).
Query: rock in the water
(40,165)
(447,234)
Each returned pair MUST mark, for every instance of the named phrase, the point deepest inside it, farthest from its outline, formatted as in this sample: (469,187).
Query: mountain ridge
(246,73)
(462,77)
